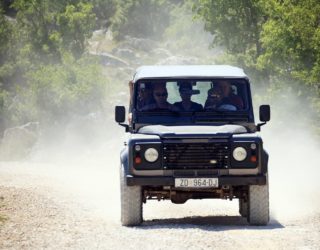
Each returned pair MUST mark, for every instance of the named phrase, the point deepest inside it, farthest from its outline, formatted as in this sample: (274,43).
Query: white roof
(183,71)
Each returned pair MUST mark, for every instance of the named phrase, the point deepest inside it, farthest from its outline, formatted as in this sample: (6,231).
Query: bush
(141,18)
(57,91)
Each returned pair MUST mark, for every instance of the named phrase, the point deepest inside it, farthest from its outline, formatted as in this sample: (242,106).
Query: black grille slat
(196,155)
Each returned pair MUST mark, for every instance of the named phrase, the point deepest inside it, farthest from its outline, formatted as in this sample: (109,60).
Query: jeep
(192,135)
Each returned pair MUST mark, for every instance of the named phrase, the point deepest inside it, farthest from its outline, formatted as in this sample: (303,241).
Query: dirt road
(64,206)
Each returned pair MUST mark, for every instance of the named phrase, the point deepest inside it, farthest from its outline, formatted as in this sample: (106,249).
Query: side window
(234,89)
(203,88)
(173,92)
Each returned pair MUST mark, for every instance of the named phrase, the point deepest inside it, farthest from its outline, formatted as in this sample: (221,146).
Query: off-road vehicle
(192,135)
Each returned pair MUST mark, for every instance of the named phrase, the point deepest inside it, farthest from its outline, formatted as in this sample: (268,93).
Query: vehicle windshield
(221,95)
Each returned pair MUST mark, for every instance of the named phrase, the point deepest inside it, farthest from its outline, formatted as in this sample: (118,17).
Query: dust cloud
(91,150)
(293,172)
(294,156)
(84,153)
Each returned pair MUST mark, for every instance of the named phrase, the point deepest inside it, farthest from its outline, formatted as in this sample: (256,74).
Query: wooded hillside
(47,72)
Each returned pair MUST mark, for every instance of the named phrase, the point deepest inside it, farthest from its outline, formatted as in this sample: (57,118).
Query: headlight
(239,154)
(151,155)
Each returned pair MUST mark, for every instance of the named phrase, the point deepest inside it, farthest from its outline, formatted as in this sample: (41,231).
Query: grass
(3,218)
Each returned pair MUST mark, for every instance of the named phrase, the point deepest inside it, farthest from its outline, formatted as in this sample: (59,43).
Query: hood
(167,131)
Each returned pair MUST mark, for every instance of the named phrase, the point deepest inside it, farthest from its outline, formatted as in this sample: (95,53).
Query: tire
(258,209)
(131,202)
(243,208)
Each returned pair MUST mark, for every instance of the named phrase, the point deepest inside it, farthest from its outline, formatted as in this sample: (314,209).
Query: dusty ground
(56,206)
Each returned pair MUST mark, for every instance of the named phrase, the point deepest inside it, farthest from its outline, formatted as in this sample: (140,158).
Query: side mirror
(264,113)
(120,114)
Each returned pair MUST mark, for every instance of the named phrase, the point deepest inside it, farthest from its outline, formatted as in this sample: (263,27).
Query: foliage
(104,11)
(75,26)
(141,18)
(291,39)
(184,34)
(45,73)
(44,68)
(58,91)
(275,41)
(236,24)
(47,27)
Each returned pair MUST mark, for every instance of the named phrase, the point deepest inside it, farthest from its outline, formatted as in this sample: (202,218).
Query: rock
(18,141)
(124,53)
(98,33)
(108,59)
(139,43)
(178,60)
(161,53)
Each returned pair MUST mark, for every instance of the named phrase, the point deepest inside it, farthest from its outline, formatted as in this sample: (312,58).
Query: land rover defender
(192,135)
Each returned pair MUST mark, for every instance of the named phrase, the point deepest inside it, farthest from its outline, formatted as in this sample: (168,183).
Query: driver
(160,95)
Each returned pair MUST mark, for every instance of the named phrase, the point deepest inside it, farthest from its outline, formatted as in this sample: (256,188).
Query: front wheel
(258,205)
(131,202)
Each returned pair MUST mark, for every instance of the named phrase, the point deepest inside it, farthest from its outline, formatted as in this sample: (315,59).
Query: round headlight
(239,154)
(151,155)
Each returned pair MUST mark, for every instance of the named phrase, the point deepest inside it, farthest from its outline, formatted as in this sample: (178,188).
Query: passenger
(228,94)
(145,96)
(160,95)
(215,100)
(186,104)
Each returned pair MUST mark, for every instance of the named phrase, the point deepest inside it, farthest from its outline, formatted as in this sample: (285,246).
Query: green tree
(236,24)
(75,26)
(48,26)
(44,72)
(58,91)
(141,18)
(291,40)
(104,10)
(278,40)
(5,39)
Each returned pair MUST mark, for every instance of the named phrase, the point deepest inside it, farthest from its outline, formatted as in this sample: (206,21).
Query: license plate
(196,182)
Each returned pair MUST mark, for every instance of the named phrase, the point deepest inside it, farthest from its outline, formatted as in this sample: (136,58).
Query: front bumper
(223,180)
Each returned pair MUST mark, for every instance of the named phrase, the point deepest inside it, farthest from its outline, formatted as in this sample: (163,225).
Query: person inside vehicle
(145,96)
(186,91)
(160,95)
(228,94)
(216,100)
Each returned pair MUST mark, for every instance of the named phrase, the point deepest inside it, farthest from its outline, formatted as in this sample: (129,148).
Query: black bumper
(223,180)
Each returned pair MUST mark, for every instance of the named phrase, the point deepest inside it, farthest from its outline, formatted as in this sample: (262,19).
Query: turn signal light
(137,160)
(253,158)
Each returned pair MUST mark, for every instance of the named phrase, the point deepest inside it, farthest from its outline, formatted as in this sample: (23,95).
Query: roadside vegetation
(47,73)
(3,218)
(277,43)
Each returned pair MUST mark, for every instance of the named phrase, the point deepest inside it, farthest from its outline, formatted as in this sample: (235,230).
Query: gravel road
(64,206)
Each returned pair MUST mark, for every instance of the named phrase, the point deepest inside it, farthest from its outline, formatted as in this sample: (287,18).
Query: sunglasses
(215,96)
(164,94)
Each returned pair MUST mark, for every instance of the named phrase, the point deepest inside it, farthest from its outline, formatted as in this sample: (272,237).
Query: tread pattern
(131,202)
(258,210)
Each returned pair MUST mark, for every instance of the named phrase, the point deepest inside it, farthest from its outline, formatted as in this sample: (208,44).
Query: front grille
(213,155)
(194,173)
